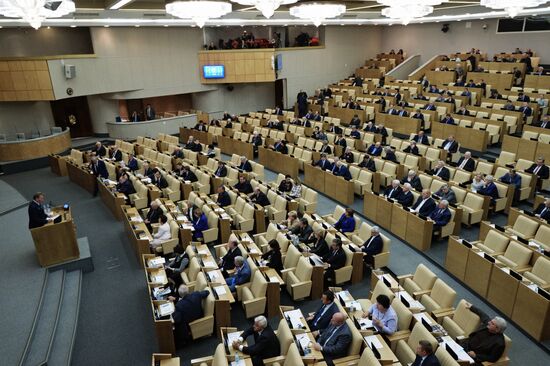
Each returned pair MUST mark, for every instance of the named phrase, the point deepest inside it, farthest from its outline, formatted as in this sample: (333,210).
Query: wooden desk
(56,243)
(205,138)
(457,257)
(496,81)
(467,137)
(58,165)
(317,282)
(138,233)
(259,218)
(398,224)
(346,114)
(231,146)
(387,357)
(35,148)
(384,213)
(440,77)
(164,359)
(338,188)
(314,177)
(478,273)
(419,232)
(532,313)
(401,125)
(370,205)
(112,200)
(278,162)
(502,290)
(82,177)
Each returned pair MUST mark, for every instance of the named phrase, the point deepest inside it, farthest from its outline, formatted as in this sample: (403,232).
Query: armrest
(239,289)
(272,360)
(286,270)
(523,268)
(347,361)
(402,278)
(201,320)
(197,361)
(400,334)
(418,294)
(219,246)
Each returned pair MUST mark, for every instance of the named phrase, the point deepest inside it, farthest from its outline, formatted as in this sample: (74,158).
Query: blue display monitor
(213,71)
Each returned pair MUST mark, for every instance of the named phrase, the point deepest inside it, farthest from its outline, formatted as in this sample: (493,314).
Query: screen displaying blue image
(213,71)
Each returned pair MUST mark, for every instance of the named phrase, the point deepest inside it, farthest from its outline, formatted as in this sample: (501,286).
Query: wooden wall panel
(241,66)
(25,80)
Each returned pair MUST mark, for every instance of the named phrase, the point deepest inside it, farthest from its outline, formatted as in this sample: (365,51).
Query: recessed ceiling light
(48,27)
(166,25)
(73,26)
(106,26)
(137,25)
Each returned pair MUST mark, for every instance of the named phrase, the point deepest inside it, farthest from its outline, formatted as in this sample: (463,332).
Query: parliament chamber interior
(258,182)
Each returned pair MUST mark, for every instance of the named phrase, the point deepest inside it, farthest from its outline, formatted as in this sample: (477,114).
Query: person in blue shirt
(346,223)
(340,170)
(375,149)
(241,275)
(384,318)
(200,223)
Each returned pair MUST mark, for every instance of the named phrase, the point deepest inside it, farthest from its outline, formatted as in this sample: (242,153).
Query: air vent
(85,15)
(349,16)
(154,15)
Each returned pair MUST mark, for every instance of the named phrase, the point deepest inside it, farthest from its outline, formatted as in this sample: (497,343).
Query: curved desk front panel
(35,148)
(131,130)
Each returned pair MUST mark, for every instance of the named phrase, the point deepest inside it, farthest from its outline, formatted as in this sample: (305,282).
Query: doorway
(280,93)
(73,113)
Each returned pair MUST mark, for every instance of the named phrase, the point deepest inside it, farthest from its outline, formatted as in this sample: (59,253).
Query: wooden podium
(56,243)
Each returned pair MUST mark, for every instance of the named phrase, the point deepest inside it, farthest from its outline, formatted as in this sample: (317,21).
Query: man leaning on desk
(266,344)
(37,215)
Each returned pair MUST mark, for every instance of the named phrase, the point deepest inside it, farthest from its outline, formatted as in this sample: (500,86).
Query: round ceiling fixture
(317,12)
(198,11)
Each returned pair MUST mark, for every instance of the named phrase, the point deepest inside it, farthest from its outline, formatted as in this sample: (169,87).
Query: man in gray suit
(446,193)
(335,340)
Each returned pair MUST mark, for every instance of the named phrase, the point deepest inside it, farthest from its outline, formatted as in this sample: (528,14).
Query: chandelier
(317,12)
(35,12)
(406,10)
(266,7)
(512,7)
(198,11)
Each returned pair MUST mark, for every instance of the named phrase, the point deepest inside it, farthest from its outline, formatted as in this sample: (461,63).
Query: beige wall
(242,99)
(27,117)
(428,40)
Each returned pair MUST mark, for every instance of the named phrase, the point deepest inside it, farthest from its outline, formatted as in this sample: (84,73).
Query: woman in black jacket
(273,256)
(319,246)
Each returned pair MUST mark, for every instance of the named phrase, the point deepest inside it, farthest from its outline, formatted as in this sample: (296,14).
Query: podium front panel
(532,313)
(502,290)
(399,219)
(478,273)
(457,258)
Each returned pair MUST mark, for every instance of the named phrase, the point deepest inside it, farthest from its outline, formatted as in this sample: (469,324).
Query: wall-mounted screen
(213,71)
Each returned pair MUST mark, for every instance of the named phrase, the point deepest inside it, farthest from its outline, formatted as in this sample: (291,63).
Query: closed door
(75,114)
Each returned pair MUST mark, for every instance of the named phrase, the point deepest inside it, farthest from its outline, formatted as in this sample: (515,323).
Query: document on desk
(344,295)
(238,363)
(232,337)
(273,279)
(220,290)
(317,260)
(295,318)
(420,316)
(372,339)
(210,264)
(460,352)
(166,309)
(365,323)
(213,275)
(303,339)
(156,262)
(53,218)
(136,219)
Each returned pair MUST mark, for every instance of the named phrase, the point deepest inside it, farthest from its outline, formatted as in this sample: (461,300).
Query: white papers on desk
(505,270)
(273,279)
(420,316)
(317,260)
(295,318)
(533,287)
(303,339)
(354,305)
(344,295)
(210,263)
(372,339)
(143,236)
(213,275)
(146,180)
(166,308)
(203,252)
(365,323)
(136,219)
(109,182)
(219,210)
(232,337)
(156,262)
(181,218)
(254,250)
(462,355)
(238,363)
(53,218)
(225,216)
(220,290)
(159,277)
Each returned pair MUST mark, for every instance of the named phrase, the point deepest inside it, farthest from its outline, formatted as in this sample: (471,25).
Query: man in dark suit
(245,164)
(150,112)
(266,344)
(425,204)
(241,275)
(221,171)
(98,168)
(390,154)
(153,214)
(355,121)
(243,185)
(418,115)
(178,153)
(450,144)
(441,171)
(227,262)
(543,210)
(425,355)
(370,127)
(394,190)
(413,179)
(392,111)
(260,197)
(335,340)
(334,260)
(280,146)
(304,231)
(325,148)
(372,246)
(489,189)
(430,107)
(412,149)
(124,185)
(545,122)
(324,163)
(466,162)
(201,126)
(368,163)
(116,155)
(448,120)
(99,149)
(37,216)
(526,110)
(421,138)
(402,112)
(406,197)
(278,111)
(340,141)
(463,111)
(188,309)
(188,175)
(441,215)
(223,199)
(375,149)
(540,170)
(320,320)
(159,180)
(357,81)
(341,170)
(523,97)
(132,163)
(334,129)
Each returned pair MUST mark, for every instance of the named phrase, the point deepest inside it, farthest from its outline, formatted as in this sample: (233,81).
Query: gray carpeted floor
(11,198)
(115,324)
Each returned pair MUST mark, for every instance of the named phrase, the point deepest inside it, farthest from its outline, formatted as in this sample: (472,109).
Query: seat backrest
(304,269)
(356,339)
(219,356)
(526,226)
(284,334)
(465,319)
(542,269)
(208,304)
(473,201)
(368,358)
(445,358)
(443,294)
(293,356)
(419,333)
(518,253)
(423,277)
(404,315)
(258,287)
(381,289)
(496,241)
(338,211)
(292,256)
(543,235)
(248,212)
(193,269)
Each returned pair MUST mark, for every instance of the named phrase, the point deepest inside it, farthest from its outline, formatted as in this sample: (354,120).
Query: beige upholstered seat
(422,280)
(516,256)
(253,295)
(338,211)
(462,323)
(442,297)
(298,280)
(368,358)
(343,275)
(494,243)
(379,289)
(219,358)
(540,273)
(472,208)
(204,326)
(445,359)
(262,239)
(524,227)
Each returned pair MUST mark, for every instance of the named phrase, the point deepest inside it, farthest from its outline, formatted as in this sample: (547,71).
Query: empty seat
(516,256)
(524,227)
(422,280)
(441,298)
(540,273)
